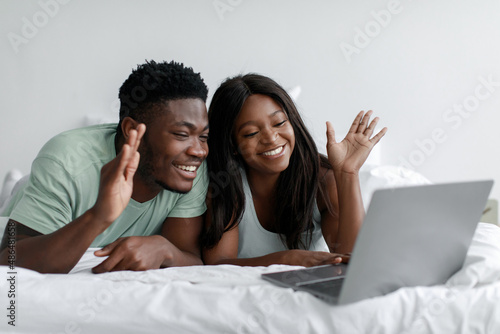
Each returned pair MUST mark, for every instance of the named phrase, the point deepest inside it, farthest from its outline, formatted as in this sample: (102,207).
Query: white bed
(232,299)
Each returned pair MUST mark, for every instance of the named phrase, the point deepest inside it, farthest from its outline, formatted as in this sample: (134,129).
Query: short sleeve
(45,204)
(193,204)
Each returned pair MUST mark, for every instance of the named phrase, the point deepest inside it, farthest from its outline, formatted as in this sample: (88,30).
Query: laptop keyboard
(330,287)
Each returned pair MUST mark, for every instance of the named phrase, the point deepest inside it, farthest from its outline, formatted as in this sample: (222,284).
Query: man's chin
(174,190)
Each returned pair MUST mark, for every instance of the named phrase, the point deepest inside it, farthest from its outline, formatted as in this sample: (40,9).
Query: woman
(273,198)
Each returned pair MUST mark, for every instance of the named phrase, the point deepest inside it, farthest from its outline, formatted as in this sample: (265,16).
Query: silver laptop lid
(413,236)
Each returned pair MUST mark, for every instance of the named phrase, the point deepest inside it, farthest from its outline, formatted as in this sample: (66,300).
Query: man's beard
(146,170)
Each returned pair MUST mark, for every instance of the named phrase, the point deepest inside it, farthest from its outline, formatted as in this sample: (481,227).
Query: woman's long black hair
(297,185)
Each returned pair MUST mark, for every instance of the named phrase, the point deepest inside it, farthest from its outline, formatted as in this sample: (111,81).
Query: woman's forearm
(293,257)
(351,210)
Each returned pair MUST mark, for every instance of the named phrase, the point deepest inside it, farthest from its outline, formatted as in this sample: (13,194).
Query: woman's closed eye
(277,125)
(281,123)
(250,134)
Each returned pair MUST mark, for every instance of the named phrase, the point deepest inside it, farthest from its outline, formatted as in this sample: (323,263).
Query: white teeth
(186,168)
(274,152)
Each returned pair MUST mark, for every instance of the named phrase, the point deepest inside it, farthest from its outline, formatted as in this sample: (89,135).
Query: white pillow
(9,182)
(13,180)
(372,178)
(3,223)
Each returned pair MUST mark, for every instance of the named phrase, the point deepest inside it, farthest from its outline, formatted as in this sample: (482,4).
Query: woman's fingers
(363,123)
(378,136)
(355,123)
(370,128)
(330,133)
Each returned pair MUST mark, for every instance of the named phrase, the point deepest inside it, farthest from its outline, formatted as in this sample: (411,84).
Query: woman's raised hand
(351,153)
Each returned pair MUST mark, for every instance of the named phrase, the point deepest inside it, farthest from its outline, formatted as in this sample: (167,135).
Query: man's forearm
(178,258)
(57,252)
(186,259)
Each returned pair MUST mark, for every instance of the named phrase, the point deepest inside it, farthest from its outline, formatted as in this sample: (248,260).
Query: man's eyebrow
(189,125)
(274,113)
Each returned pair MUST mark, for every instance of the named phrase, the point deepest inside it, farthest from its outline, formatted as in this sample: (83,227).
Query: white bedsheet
(232,299)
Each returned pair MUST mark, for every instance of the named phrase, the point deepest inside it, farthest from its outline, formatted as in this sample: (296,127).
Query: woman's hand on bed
(134,253)
(351,153)
(298,257)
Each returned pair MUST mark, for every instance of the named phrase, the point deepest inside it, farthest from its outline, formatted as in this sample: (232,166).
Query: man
(137,189)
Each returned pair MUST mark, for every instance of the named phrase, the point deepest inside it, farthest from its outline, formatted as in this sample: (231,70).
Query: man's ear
(128,124)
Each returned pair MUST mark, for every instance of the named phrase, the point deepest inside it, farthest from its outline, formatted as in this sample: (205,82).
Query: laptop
(411,236)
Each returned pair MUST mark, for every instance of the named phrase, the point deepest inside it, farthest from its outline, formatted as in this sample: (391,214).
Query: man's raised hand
(116,185)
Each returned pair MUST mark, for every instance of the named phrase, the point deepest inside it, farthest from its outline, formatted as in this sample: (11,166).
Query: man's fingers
(107,265)
(132,166)
(124,157)
(129,159)
(135,136)
(106,250)
(132,137)
(101,252)
(122,265)
(141,130)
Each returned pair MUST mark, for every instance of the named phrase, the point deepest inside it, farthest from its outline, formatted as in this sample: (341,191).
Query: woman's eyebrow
(274,113)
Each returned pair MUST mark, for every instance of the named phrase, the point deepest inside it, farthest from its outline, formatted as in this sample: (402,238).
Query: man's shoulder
(79,136)
(79,146)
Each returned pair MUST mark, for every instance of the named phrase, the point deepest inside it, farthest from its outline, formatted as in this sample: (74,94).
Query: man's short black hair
(154,83)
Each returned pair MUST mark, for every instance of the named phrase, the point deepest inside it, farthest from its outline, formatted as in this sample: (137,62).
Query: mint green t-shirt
(64,183)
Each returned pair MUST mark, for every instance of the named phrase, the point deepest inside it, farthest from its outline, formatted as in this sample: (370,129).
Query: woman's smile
(275,152)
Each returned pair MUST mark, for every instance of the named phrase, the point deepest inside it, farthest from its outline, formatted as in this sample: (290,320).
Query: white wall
(424,58)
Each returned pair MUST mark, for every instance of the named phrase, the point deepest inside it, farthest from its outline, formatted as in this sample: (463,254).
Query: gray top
(255,240)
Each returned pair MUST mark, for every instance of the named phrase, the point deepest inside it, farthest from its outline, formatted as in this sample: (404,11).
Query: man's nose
(198,149)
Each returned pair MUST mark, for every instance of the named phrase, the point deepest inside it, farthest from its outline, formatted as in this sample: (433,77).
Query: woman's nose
(269,136)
